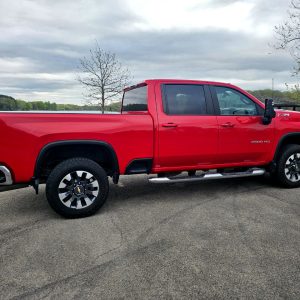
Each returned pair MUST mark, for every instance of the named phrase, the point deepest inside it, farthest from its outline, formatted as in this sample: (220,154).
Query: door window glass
(184,99)
(232,102)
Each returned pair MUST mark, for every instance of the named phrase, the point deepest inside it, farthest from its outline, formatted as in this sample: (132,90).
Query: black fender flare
(51,145)
(282,141)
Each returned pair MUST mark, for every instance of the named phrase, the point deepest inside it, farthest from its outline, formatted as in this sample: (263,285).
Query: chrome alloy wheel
(78,189)
(292,167)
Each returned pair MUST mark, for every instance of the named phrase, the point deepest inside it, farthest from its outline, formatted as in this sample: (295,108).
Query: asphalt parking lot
(219,239)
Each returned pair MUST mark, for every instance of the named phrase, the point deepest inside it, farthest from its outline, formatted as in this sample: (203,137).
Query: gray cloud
(200,53)
(48,38)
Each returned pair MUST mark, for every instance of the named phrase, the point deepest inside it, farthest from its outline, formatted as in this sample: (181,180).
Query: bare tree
(104,77)
(288,34)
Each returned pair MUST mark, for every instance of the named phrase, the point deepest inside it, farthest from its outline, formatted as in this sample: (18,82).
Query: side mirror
(269,112)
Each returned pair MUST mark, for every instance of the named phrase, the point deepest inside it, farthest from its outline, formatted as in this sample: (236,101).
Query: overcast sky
(41,42)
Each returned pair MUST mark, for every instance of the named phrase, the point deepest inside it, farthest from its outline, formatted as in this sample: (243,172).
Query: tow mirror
(269,112)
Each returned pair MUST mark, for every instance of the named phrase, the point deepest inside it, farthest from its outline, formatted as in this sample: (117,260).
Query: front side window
(232,102)
(184,99)
(135,99)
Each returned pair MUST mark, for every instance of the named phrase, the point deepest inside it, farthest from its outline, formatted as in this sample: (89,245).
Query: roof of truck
(178,81)
(185,81)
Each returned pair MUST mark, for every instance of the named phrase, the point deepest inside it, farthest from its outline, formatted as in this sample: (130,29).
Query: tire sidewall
(66,167)
(281,176)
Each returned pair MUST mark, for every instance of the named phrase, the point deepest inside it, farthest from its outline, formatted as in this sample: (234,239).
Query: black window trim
(207,99)
(259,109)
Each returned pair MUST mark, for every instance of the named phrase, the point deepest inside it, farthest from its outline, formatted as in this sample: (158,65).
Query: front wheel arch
(286,140)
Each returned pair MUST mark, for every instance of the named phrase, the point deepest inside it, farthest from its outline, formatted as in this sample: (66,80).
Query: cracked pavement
(210,240)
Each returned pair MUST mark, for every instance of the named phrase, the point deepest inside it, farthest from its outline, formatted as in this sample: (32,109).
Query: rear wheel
(288,168)
(77,187)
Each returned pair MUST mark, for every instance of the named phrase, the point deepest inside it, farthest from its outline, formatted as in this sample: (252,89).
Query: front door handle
(227,125)
(170,125)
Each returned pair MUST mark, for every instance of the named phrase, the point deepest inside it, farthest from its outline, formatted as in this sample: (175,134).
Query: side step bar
(208,176)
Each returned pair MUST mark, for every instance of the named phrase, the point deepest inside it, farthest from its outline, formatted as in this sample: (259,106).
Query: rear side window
(135,99)
(184,99)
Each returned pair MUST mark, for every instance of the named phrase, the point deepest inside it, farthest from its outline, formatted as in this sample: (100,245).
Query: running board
(208,176)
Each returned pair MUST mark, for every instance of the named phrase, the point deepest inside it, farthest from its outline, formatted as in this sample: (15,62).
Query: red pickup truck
(181,130)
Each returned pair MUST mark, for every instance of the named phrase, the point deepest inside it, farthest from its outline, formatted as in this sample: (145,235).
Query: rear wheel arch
(54,153)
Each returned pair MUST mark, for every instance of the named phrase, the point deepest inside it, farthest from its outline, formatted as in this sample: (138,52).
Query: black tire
(292,179)
(65,178)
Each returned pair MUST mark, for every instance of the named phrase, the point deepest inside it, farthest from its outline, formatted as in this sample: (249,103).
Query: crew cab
(180,130)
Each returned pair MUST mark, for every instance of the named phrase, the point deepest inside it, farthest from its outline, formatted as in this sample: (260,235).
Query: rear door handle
(227,125)
(170,125)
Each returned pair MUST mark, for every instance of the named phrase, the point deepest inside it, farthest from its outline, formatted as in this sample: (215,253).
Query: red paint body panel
(285,122)
(193,142)
(196,142)
(236,144)
(24,135)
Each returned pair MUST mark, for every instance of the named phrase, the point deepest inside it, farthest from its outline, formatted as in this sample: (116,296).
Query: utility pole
(272,88)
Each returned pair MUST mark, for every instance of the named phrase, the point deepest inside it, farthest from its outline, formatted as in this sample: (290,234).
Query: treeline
(289,96)
(8,103)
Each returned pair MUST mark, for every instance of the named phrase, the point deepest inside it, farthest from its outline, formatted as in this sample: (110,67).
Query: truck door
(187,127)
(242,136)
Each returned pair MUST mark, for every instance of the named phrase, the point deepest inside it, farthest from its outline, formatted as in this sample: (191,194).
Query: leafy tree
(294,92)
(8,103)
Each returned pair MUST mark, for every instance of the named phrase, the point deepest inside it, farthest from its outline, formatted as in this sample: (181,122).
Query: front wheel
(77,187)
(288,168)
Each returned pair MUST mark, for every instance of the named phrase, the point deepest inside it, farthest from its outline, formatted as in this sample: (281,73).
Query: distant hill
(8,103)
